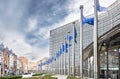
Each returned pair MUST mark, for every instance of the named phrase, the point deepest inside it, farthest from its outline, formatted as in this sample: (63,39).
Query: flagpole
(95,40)
(73,50)
(59,65)
(64,59)
(68,56)
(81,43)
(57,60)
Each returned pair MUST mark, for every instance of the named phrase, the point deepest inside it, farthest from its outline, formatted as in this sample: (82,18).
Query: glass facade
(110,62)
(106,21)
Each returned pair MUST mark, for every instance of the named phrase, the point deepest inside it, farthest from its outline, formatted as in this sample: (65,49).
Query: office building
(108,46)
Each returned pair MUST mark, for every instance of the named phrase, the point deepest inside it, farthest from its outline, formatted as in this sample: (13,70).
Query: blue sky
(25,24)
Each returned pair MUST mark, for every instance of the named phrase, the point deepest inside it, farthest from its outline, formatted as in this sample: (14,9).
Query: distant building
(39,68)
(19,66)
(108,46)
(11,62)
(1,57)
(6,59)
(14,62)
(32,66)
(24,60)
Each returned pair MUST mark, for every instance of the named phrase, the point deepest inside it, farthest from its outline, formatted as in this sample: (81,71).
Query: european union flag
(70,45)
(88,20)
(75,35)
(66,47)
(100,8)
(69,37)
(50,60)
(57,54)
(63,47)
(60,50)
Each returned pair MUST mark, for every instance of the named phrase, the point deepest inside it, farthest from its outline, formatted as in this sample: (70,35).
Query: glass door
(109,64)
(113,63)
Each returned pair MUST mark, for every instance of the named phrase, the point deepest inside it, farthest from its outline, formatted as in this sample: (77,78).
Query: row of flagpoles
(64,48)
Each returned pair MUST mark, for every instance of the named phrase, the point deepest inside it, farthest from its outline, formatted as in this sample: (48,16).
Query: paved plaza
(60,76)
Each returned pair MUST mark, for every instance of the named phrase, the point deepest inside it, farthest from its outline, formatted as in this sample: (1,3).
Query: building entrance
(109,64)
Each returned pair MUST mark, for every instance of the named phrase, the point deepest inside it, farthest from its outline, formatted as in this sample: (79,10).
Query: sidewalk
(60,76)
(43,75)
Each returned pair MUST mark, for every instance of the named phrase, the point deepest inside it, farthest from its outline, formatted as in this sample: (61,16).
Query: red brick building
(6,58)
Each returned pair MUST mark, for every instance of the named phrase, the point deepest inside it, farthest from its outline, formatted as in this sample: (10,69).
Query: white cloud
(11,35)
(44,32)
(32,24)
(74,12)
(15,41)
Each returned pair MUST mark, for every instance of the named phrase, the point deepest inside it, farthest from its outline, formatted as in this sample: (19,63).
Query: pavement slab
(60,76)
